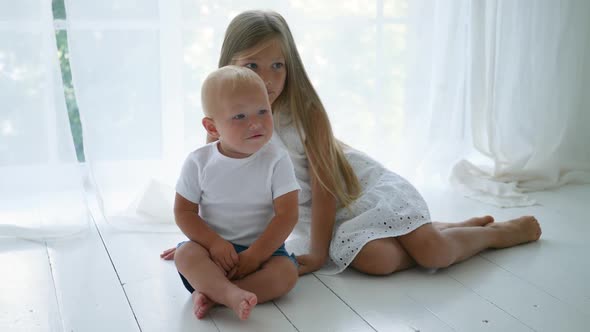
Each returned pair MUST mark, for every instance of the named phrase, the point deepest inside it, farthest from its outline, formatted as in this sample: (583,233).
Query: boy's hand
(310,263)
(168,254)
(223,254)
(248,263)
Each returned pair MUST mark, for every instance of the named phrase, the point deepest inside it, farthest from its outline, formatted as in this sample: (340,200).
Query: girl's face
(268,62)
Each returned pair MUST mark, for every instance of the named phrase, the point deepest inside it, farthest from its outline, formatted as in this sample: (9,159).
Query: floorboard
(28,300)
(111,279)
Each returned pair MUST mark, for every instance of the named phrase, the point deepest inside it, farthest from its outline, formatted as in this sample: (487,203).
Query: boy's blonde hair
(223,82)
(299,100)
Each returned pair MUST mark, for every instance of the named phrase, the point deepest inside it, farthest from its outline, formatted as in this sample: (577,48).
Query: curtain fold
(125,69)
(435,113)
(41,193)
(528,97)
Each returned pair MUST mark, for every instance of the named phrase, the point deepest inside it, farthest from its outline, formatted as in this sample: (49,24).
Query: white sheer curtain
(137,68)
(126,61)
(435,115)
(410,83)
(528,85)
(497,96)
(418,85)
(41,193)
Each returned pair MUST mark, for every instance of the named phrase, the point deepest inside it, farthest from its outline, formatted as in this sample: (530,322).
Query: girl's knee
(434,254)
(434,261)
(375,268)
(379,257)
(429,248)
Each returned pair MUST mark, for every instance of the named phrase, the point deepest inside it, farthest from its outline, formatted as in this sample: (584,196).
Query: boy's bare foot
(201,304)
(242,302)
(517,231)
(473,222)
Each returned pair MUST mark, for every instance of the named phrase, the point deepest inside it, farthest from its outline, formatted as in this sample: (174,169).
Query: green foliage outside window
(61,36)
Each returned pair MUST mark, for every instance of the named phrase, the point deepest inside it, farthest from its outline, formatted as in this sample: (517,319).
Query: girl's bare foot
(201,304)
(473,222)
(516,231)
(242,302)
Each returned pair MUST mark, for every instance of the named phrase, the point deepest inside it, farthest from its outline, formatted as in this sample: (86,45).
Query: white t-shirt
(235,196)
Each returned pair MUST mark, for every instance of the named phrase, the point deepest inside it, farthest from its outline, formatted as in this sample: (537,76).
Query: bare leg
(382,257)
(385,256)
(168,254)
(435,248)
(275,279)
(192,260)
(473,222)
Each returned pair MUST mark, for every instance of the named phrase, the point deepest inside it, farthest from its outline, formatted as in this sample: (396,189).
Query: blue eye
(278,65)
(251,66)
(262,112)
(239,117)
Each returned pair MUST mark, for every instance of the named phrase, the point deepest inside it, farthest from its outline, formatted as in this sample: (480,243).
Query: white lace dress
(389,205)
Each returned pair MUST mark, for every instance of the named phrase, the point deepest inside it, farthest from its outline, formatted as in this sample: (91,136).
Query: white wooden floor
(109,280)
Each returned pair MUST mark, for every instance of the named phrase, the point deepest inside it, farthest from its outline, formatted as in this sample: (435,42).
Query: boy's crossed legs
(276,277)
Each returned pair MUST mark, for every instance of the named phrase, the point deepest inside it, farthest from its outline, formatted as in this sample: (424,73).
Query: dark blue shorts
(279,252)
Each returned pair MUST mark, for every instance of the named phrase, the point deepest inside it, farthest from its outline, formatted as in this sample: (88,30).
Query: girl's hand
(310,263)
(248,263)
(223,254)
(168,254)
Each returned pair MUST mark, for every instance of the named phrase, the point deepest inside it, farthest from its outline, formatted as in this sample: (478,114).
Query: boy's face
(242,121)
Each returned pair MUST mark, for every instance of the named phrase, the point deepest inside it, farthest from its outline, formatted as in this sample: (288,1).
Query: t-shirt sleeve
(283,177)
(188,185)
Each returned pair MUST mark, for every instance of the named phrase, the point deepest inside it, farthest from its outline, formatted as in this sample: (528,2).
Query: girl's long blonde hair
(299,100)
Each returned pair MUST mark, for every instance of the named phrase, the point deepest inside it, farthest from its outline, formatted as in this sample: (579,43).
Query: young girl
(352,211)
